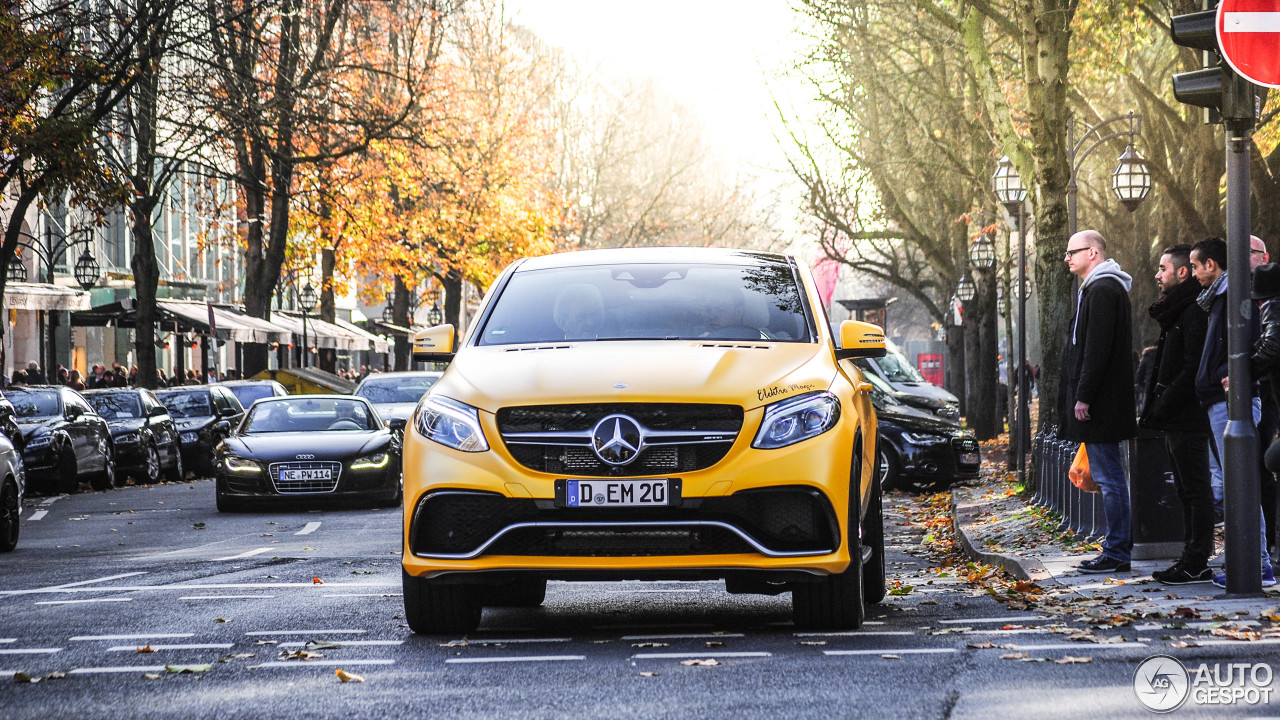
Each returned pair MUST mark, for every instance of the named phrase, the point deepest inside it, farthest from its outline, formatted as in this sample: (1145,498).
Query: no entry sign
(1249,36)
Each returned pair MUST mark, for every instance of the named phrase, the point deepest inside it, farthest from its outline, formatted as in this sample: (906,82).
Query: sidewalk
(995,526)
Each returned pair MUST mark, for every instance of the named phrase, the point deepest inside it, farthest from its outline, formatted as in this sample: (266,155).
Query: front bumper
(381,483)
(943,460)
(770,513)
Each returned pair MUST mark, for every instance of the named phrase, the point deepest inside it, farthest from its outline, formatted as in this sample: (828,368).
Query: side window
(71,399)
(231,400)
(219,400)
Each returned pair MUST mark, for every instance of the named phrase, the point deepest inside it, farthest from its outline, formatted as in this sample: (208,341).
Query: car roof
(402,374)
(654,255)
(248,382)
(309,396)
(104,391)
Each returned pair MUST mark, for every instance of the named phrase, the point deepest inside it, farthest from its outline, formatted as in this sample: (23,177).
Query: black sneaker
(1179,575)
(1103,564)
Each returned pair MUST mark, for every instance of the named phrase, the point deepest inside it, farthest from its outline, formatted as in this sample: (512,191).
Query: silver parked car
(13,484)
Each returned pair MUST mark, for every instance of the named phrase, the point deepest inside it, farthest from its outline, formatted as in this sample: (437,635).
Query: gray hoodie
(1106,269)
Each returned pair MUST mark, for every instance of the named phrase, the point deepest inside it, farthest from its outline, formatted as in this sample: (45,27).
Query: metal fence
(1081,512)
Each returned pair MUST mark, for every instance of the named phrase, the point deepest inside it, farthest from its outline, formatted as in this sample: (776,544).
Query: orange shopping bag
(1079,472)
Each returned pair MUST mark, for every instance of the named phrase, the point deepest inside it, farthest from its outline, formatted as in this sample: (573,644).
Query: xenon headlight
(371,462)
(450,423)
(919,438)
(241,465)
(789,421)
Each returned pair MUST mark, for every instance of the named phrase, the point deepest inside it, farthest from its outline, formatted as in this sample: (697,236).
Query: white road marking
(1081,646)
(315,663)
(1250,22)
(226,597)
(119,669)
(700,636)
(528,658)
(631,592)
(205,646)
(86,600)
(892,651)
(140,636)
(1018,618)
(855,633)
(51,500)
(250,553)
(308,528)
(1261,641)
(37,515)
(8,640)
(349,643)
(679,655)
(306,632)
(513,641)
(70,587)
(29,651)
(338,595)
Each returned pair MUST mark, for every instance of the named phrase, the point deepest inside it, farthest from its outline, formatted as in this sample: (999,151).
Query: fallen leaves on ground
(187,669)
(321,645)
(1072,660)
(701,663)
(299,655)
(23,679)
(650,644)
(347,677)
(145,649)
(648,674)
(315,580)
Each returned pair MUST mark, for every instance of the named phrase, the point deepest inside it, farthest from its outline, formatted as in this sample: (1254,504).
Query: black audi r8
(308,447)
(145,437)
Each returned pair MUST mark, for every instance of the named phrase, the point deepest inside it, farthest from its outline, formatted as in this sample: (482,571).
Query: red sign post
(1249,36)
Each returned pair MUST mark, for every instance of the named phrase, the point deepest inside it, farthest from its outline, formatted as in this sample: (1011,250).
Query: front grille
(783,520)
(306,486)
(964,444)
(572,454)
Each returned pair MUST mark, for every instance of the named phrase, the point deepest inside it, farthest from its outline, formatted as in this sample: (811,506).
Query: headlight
(128,439)
(39,442)
(923,438)
(450,423)
(371,462)
(190,437)
(240,465)
(790,421)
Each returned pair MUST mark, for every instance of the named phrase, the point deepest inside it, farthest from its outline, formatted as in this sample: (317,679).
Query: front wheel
(10,510)
(151,465)
(68,472)
(436,608)
(104,479)
(873,574)
(176,473)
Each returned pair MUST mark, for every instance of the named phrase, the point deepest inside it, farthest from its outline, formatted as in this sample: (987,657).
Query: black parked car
(247,391)
(204,415)
(64,439)
(145,437)
(396,394)
(920,451)
(313,447)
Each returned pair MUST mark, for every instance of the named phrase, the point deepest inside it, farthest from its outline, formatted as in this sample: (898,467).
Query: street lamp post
(1012,194)
(307,301)
(1131,180)
(434,315)
(85,270)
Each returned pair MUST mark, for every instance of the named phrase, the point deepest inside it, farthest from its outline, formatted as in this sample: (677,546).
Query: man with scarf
(1172,407)
(1096,396)
(1209,267)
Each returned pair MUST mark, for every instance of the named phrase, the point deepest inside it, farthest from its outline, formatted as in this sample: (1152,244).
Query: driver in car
(579,311)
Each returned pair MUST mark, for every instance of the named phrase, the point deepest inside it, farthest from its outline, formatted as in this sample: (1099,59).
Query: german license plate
(969,458)
(617,493)
(301,475)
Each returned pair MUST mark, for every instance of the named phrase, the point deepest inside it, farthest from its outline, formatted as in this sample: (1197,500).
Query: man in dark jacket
(1172,407)
(1096,400)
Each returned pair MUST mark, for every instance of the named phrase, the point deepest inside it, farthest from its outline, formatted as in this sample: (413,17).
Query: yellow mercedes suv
(647,413)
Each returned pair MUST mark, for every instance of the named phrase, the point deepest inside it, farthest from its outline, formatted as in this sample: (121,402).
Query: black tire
(67,475)
(10,512)
(226,503)
(150,465)
(887,467)
(521,593)
(105,479)
(176,473)
(835,602)
(873,570)
(434,608)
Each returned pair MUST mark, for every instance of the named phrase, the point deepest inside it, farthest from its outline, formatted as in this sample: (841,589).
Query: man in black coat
(1096,400)
(1172,407)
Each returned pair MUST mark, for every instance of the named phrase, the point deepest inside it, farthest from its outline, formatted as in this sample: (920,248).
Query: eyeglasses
(1069,253)
(1257,252)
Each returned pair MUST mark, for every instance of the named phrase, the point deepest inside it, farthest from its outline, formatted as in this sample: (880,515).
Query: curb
(1019,566)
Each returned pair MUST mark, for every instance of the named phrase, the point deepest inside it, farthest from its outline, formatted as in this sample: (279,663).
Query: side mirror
(73,412)
(860,339)
(222,426)
(159,411)
(435,344)
(229,412)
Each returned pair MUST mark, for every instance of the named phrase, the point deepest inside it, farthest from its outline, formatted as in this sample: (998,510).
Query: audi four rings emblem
(617,439)
(304,456)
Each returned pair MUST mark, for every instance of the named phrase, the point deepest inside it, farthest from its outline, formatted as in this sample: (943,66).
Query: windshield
(649,302)
(36,403)
(187,404)
(309,415)
(115,406)
(395,389)
(896,367)
(246,394)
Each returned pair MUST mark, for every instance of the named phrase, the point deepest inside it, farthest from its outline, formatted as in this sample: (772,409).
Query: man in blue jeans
(1096,397)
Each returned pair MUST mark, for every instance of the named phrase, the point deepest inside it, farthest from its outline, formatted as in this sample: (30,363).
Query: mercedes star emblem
(616,439)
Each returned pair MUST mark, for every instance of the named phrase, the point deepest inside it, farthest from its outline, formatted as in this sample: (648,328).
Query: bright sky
(715,56)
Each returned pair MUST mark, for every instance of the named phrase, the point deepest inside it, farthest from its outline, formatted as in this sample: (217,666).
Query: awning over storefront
(378,344)
(187,316)
(41,296)
(323,334)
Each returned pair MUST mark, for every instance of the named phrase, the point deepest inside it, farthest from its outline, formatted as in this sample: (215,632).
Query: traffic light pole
(1240,443)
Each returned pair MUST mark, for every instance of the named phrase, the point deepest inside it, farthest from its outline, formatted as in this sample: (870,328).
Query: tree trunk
(328,312)
(400,315)
(981,374)
(452,285)
(955,371)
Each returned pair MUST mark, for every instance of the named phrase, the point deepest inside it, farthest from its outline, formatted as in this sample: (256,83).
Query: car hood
(395,411)
(750,374)
(31,427)
(124,425)
(910,418)
(926,390)
(323,445)
(194,423)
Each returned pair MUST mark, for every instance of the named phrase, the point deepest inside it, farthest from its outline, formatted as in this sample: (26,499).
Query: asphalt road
(114,589)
